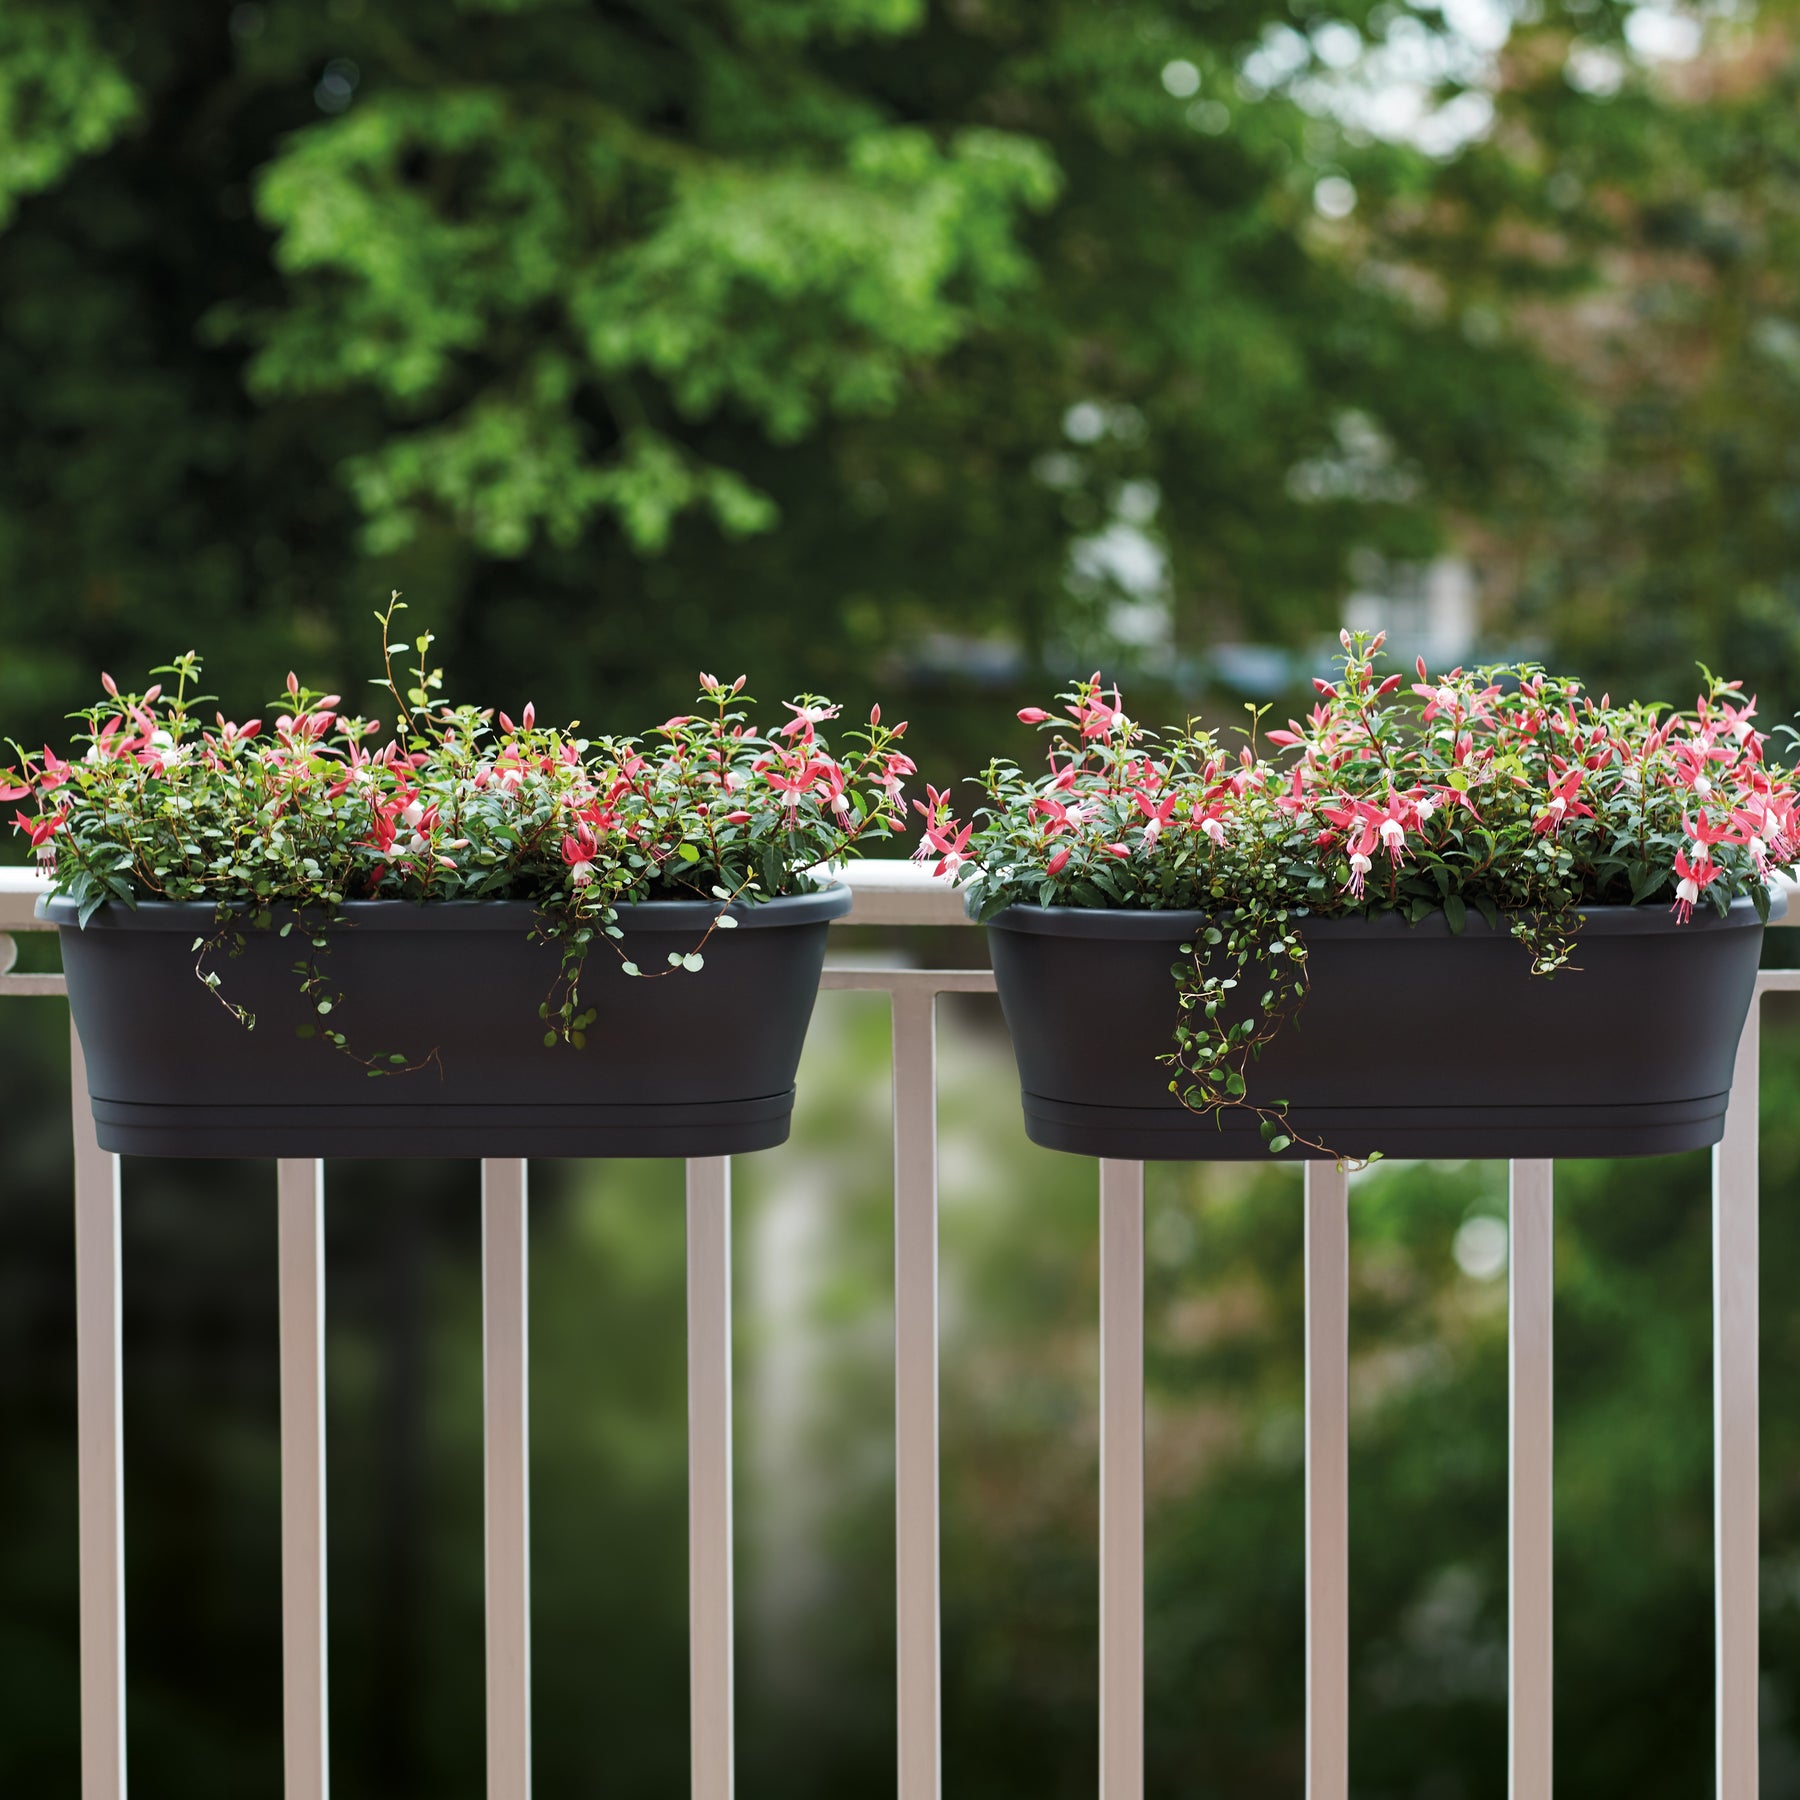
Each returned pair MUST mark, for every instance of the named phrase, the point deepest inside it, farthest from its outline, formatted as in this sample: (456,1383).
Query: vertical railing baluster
(300,1229)
(99,1431)
(1121,1480)
(916,1393)
(1530,1440)
(710,1657)
(1327,1482)
(506,1454)
(1736,1472)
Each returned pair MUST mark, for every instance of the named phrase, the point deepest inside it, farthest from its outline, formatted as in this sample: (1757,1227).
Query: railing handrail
(888,890)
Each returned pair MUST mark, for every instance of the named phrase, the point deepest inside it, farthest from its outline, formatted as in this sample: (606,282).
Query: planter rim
(1141,923)
(830,902)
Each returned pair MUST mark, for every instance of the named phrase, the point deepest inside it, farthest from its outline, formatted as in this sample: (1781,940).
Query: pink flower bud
(1032,715)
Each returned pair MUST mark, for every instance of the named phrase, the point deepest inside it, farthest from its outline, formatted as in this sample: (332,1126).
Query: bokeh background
(931,351)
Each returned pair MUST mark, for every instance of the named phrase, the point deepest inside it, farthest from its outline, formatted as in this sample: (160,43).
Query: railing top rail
(887,890)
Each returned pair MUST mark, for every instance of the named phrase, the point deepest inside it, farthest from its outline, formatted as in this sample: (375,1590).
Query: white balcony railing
(899,894)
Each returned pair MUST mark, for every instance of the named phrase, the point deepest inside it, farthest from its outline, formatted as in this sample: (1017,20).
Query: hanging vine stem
(1213,1061)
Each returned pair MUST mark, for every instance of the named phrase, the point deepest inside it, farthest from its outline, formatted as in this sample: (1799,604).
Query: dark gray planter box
(1414,1041)
(692,1064)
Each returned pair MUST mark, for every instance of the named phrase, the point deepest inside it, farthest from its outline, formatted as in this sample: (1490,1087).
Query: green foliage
(867,313)
(430,224)
(63,96)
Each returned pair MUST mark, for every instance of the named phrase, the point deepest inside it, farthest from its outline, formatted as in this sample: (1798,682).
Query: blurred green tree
(806,327)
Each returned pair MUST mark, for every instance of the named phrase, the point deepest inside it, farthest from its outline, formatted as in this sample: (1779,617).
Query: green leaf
(1456,911)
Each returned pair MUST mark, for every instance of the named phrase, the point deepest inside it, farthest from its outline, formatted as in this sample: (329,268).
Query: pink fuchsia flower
(836,783)
(1563,805)
(161,753)
(1705,832)
(1695,877)
(1032,715)
(894,770)
(1766,827)
(579,850)
(1156,817)
(1730,721)
(1392,823)
(804,719)
(1092,713)
(55,771)
(1358,820)
(1691,762)
(792,788)
(948,845)
(1210,820)
(40,832)
(1058,862)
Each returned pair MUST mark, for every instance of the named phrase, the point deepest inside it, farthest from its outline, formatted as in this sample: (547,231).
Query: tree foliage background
(768,320)
(806,337)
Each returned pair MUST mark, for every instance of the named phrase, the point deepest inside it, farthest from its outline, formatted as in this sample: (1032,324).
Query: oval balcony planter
(693,1064)
(1414,1041)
